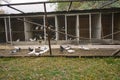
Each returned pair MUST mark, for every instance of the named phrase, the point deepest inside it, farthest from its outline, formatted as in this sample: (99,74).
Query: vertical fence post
(47,28)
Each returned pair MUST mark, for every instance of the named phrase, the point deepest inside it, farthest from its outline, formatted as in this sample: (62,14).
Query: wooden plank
(116,52)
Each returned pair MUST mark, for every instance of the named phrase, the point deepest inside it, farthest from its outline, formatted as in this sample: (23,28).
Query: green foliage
(62,6)
(86,5)
(116,4)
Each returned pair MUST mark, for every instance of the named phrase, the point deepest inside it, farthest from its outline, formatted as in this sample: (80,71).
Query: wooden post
(44,29)
(56,28)
(6,30)
(66,27)
(112,27)
(90,36)
(77,28)
(47,28)
(25,29)
(101,29)
(10,30)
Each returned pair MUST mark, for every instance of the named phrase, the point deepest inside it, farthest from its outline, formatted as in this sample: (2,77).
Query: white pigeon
(17,49)
(33,39)
(37,53)
(32,52)
(40,37)
(42,27)
(84,48)
(18,40)
(67,47)
(71,51)
(37,27)
(43,49)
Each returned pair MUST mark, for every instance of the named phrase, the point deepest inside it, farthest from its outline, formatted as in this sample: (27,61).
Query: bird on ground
(61,48)
(17,49)
(34,52)
(67,48)
(39,52)
(84,48)
(71,51)
(18,40)
(64,47)
(44,49)
(30,49)
(33,39)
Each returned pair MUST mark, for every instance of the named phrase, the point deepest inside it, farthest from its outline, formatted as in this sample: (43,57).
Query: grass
(46,68)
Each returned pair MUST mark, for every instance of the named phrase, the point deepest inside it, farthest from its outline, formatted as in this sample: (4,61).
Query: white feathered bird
(41,50)
(32,51)
(18,40)
(33,39)
(67,48)
(71,51)
(44,49)
(37,27)
(17,49)
(84,48)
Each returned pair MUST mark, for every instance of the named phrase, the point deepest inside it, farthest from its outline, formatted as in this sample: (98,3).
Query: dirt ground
(57,52)
(96,50)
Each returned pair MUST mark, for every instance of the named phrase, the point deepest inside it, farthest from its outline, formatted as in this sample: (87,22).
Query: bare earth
(95,50)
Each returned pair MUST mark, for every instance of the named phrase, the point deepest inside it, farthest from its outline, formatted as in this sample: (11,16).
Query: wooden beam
(15,9)
(70,6)
(116,52)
